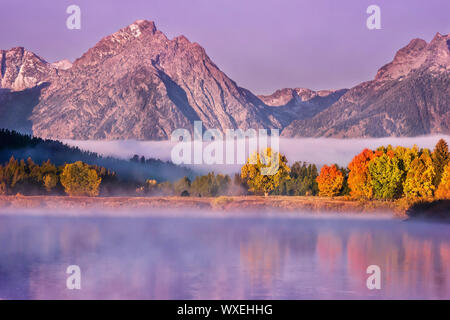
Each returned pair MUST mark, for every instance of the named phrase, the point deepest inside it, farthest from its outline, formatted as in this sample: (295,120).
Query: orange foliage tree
(443,191)
(359,175)
(330,181)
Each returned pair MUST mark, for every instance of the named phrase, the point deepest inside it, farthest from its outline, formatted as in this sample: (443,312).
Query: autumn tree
(182,186)
(264,171)
(359,175)
(150,185)
(48,174)
(443,191)
(441,158)
(78,179)
(386,176)
(406,156)
(419,179)
(50,181)
(330,181)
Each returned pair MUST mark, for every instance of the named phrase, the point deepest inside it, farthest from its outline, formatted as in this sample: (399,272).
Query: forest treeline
(134,171)
(391,173)
(385,173)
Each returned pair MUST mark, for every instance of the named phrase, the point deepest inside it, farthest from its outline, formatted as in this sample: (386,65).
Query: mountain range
(138,84)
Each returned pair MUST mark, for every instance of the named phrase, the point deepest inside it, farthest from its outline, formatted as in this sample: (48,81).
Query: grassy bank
(233,204)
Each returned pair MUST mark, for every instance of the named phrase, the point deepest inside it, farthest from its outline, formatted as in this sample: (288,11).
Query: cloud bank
(313,150)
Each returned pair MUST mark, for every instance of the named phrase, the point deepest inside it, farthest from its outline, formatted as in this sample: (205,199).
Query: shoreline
(233,206)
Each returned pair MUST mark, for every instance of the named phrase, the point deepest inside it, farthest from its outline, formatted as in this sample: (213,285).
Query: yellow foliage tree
(330,181)
(406,156)
(420,176)
(443,191)
(78,179)
(264,171)
(50,181)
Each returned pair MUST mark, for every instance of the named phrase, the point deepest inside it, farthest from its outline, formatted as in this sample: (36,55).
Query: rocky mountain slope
(299,103)
(138,84)
(408,97)
(21,69)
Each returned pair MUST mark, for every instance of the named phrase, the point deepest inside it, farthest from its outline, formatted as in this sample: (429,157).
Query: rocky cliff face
(138,84)
(62,64)
(21,69)
(299,103)
(408,97)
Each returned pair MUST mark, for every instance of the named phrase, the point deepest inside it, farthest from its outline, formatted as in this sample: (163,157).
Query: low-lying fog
(313,150)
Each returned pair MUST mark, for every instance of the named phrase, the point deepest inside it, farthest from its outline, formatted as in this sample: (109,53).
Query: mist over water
(313,150)
(211,258)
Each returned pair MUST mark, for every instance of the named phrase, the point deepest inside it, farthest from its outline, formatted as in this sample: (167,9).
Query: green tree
(386,176)
(264,171)
(345,189)
(441,158)
(210,185)
(300,182)
(303,180)
(78,179)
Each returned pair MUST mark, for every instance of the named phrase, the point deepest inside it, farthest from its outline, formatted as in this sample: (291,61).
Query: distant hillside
(408,97)
(23,146)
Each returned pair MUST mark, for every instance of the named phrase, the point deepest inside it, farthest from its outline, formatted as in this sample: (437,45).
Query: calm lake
(215,258)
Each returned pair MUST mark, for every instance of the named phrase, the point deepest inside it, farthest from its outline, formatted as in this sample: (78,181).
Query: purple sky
(263,45)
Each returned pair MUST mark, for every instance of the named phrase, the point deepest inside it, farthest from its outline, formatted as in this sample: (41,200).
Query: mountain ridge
(138,84)
(409,96)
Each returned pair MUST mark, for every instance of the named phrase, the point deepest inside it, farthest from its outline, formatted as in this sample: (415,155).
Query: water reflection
(177,258)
